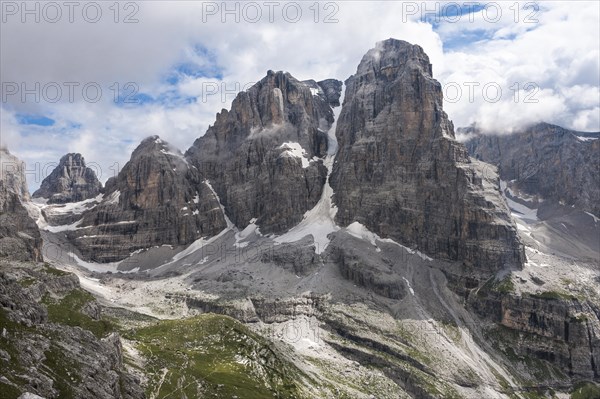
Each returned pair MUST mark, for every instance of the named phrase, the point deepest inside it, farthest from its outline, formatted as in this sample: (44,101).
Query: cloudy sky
(97,78)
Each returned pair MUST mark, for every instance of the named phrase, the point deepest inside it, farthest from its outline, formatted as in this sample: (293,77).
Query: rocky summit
(158,198)
(264,157)
(70,181)
(401,173)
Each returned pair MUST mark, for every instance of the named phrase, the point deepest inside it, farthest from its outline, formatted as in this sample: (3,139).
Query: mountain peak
(156,198)
(400,172)
(243,154)
(70,181)
(392,55)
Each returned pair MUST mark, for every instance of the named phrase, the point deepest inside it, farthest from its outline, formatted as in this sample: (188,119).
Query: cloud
(556,57)
(186,65)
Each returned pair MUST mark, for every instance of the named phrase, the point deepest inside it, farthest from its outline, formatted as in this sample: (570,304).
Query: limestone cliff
(400,171)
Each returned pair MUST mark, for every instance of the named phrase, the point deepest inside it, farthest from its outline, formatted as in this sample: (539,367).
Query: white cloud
(559,54)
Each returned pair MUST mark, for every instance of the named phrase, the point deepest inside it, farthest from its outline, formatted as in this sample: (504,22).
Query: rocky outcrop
(158,198)
(48,357)
(262,156)
(12,173)
(19,235)
(365,270)
(545,160)
(400,172)
(70,181)
(562,331)
(298,258)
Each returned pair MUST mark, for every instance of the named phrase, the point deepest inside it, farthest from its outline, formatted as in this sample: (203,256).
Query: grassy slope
(214,356)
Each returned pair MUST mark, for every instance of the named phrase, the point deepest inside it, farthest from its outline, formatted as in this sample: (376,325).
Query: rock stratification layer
(158,198)
(400,171)
(262,157)
(70,181)
(545,160)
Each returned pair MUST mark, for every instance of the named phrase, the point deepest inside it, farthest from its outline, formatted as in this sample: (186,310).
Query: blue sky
(171,72)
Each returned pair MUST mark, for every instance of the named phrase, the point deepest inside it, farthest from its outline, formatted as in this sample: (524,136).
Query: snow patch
(193,247)
(35,208)
(101,267)
(293,149)
(172,153)
(251,229)
(518,210)
(114,198)
(412,292)
(230,225)
(580,138)
(358,230)
(319,222)
(596,219)
(66,227)
(521,211)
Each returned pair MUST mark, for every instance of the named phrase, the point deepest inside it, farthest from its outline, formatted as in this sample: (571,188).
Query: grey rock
(564,332)
(331,89)
(70,181)
(545,160)
(19,235)
(12,173)
(364,270)
(298,258)
(28,395)
(243,155)
(400,171)
(52,359)
(157,199)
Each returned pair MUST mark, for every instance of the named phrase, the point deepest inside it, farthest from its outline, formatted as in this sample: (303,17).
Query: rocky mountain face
(545,160)
(263,156)
(70,181)
(12,173)
(19,235)
(561,329)
(413,283)
(400,172)
(43,349)
(158,198)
